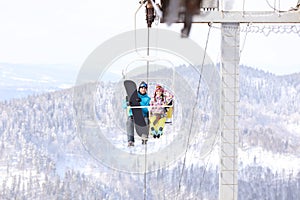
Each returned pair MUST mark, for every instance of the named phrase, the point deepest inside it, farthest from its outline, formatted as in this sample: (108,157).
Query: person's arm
(169,98)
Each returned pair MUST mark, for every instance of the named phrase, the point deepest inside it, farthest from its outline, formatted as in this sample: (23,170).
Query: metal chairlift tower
(208,11)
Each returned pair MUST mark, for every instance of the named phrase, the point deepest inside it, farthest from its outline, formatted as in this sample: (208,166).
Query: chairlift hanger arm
(152,11)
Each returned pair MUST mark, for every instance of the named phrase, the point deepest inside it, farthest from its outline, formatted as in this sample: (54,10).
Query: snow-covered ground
(41,147)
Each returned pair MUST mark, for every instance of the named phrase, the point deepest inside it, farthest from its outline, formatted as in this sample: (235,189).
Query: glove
(125,104)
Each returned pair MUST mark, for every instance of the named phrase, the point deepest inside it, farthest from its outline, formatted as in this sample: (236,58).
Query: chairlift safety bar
(165,106)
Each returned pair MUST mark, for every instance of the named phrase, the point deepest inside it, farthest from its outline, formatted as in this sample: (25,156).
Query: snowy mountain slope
(42,156)
(269,110)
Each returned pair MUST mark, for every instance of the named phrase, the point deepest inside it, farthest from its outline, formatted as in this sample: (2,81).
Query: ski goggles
(143,85)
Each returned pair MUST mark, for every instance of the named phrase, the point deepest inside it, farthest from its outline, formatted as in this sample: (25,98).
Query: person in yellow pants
(158,112)
(169,112)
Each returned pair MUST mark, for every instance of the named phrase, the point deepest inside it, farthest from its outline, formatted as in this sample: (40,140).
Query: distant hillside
(270,111)
(42,157)
(21,80)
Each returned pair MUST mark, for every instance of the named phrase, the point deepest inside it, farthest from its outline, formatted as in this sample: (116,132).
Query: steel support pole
(228,180)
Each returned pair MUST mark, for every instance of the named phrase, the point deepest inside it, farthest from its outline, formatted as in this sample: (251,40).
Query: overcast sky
(67,31)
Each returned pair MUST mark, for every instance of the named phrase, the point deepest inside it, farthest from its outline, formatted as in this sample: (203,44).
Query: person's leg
(152,129)
(155,122)
(169,115)
(161,125)
(130,129)
(146,134)
(147,123)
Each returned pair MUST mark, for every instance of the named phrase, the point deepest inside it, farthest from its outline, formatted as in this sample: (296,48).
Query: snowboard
(141,127)
(157,124)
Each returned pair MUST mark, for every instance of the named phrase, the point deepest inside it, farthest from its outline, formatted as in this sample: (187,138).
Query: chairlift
(159,71)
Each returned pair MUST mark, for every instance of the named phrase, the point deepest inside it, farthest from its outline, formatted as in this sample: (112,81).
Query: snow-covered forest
(42,156)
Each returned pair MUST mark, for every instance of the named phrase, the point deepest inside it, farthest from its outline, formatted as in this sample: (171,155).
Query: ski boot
(130,144)
(153,132)
(160,132)
(144,139)
(144,142)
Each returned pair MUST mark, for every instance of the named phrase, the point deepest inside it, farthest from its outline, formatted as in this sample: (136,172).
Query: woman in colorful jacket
(158,111)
